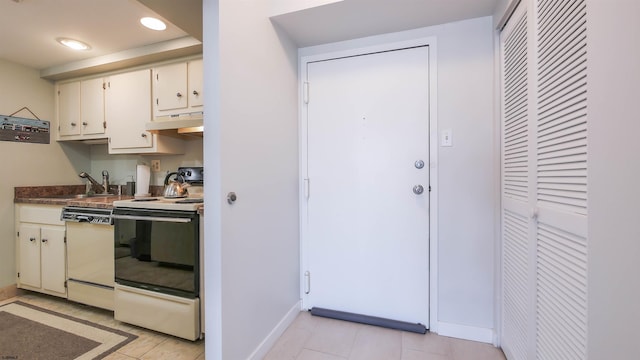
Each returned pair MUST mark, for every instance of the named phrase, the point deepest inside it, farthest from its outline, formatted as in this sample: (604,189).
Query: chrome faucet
(105,181)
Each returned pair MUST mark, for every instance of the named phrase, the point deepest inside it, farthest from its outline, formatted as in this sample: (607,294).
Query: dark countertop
(63,195)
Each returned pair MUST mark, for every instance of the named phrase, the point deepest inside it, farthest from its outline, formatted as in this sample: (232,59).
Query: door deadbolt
(419,164)
(418,189)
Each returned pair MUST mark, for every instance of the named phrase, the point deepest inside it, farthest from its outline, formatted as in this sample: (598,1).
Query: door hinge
(104,124)
(58,92)
(429,188)
(65,284)
(157,76)
(305,92)
(65,239)
(306,188)
(307,276)
(18,233)
(18,275)
(104,86)
(157,101)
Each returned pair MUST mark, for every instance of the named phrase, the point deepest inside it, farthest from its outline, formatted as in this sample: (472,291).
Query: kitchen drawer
(160,312)
(40,214)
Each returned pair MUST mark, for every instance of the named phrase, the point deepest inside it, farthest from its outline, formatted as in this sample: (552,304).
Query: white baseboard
(266,344)
(466,332)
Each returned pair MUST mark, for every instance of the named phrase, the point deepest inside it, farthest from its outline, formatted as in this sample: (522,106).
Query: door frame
(355,48)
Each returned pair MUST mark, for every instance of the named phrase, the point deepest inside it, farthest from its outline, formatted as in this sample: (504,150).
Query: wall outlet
(155,165)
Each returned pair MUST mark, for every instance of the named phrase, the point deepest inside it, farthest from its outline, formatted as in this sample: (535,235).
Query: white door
(366,243)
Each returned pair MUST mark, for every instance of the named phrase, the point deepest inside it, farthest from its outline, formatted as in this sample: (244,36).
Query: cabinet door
(53,255)
(128,109)
(196,77)
(170,88)
(29,255)
(69,108)
(92,106)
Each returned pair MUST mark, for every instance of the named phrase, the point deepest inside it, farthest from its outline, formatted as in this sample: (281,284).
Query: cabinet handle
(144,135)
(44,240)
(73,124)
(84,123)
(195,93)
(179,95)
(32,239)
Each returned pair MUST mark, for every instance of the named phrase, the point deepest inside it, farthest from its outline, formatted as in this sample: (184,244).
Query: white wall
(122,167)
(613,80)
(29,164)
(252,246)
(467,171)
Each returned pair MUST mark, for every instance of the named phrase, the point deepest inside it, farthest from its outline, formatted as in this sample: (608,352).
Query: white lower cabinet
(41,248)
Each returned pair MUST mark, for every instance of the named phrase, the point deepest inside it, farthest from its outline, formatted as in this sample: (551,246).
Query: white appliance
(157,255)
(90,267)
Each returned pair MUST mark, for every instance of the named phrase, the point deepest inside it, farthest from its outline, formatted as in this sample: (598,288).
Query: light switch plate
(446,139)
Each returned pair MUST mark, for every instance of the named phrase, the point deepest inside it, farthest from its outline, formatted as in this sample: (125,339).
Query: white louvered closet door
(544,179)
(517,227)
(561,251)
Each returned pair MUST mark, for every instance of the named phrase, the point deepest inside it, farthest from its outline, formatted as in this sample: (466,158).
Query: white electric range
(158,272)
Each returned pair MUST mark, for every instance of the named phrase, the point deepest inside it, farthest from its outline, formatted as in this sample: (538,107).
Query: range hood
(182,124)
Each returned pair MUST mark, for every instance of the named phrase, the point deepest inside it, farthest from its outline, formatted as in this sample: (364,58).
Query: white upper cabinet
(195,80)
(69,108)
(127,110)
(177,89)
(92,106)
(81,110)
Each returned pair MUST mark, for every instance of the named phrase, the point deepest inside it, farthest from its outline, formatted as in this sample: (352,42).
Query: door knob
(419,164)
(231,197)
(418,189)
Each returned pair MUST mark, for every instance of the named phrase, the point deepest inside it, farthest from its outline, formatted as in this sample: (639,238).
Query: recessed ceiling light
(153,23)
(73,44)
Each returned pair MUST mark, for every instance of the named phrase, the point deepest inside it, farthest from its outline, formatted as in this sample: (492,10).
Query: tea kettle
(174,188)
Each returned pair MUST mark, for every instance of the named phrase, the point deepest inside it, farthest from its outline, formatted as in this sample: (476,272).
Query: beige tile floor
(315,338)
(307,338)
(148,345)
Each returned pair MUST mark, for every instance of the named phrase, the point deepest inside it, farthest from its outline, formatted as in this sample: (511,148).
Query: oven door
(157,250)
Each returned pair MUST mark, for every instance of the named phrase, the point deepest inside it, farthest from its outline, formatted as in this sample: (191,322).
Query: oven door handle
(152,218)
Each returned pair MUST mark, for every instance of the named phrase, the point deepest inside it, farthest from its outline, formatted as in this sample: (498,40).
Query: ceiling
(29,28)
(340,20)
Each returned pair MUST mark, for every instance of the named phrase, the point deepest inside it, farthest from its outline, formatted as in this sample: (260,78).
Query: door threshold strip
(369,320)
